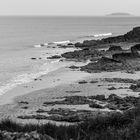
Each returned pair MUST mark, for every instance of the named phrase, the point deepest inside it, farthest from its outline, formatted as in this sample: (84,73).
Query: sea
(21,39)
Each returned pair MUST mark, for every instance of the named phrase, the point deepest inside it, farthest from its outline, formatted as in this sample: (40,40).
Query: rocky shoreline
(113,58)
(105,55)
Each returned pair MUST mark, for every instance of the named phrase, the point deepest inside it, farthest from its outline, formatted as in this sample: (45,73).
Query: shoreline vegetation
(86,115)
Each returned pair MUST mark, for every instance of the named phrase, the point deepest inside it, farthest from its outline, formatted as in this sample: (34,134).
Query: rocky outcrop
(123,56)
(104,64)
(135,50)
(87,43)
(120,80)
(132,36)
(83,54)
(97,105)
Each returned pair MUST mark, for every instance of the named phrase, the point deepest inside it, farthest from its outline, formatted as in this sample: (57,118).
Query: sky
(68,7)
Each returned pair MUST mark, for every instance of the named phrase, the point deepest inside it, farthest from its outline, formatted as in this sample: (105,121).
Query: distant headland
(120,15)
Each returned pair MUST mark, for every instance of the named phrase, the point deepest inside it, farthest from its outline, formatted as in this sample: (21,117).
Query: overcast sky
(68,7)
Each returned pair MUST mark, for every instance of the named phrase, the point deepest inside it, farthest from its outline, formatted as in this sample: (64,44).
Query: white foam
(37,46)
(49,66)
(41,45)
(98,35)
(101,35)
(28,77)
(20,79)
(62,42)
(51,43)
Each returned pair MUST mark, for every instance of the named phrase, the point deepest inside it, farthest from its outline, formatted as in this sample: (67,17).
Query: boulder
(95,105)
(112,88)
(98,97)
(135,50)
(82,82)
(111,106)
(135,87)
(73,67)
(115,48)
(114,97)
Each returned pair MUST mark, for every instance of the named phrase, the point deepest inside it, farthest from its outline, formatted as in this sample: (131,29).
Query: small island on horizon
(120,14)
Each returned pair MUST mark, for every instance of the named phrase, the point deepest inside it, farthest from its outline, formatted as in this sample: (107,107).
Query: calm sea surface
(18,35)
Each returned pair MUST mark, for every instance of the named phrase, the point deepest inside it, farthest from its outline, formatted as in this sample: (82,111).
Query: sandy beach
(26,99)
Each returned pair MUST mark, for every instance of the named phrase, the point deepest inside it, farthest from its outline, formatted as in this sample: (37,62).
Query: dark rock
(70,44)
(114,97)
(71,100)
(83,54)
(119,80)
(125,106)
(92,82)
(37,117)
(40,111)
(115,48)
(123,56)
(54,57)
(95,105)
(25,107)
(132,100)
(105,60)
(76,100)
(112,88)
(135,87)
(98,97)
(23,102)
(132,36)
(82,82)
(73,91)
(135,50)
(104,64)
(33,58)
(73,67)
(111,106)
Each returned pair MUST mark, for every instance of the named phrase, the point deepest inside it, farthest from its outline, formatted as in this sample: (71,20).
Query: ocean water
(20,38)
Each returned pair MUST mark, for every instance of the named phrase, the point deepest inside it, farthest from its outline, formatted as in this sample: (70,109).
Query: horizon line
(107,15)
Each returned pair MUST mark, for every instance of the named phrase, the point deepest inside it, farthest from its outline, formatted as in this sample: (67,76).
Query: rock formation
(132,36)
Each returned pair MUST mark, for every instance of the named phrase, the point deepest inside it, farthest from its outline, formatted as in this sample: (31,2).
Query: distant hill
(120,15)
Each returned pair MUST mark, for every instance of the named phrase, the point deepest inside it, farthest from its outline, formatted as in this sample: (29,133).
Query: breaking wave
(52,43)
(27,77)
(98,35)
(62,42)
(101,35)
(41,45)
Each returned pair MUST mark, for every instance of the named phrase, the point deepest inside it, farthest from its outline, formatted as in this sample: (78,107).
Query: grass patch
(115,127)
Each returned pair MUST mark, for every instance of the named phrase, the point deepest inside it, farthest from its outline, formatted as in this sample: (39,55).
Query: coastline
(57,85)
(52,79)
(69,90)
